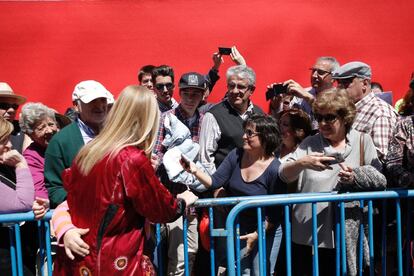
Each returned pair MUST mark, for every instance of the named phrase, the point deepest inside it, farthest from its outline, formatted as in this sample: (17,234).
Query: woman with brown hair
(337,158)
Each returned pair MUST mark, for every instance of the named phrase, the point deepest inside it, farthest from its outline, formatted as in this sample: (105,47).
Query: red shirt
(113,201)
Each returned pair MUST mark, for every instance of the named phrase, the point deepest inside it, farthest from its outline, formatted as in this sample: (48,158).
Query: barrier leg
(315,240)
(185,242)
(18,250)
(288,239)
(343,240)
(212,252)
(13,250)
(159,249)
(48,248)
(361,236)
(384,238)
(399,238)
(337,240)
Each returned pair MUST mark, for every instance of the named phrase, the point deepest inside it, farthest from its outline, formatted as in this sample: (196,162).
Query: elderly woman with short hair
(337,158)
(39,123)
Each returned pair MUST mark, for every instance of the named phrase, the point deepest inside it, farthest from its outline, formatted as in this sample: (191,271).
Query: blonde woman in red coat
(112,188)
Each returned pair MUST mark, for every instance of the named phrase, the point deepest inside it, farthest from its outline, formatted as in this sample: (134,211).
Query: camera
(224,51)
(338,158)
(277,89)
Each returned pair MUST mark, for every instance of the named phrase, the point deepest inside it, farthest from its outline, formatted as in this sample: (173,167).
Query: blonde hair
(132,121)
(6,128)
(336,100)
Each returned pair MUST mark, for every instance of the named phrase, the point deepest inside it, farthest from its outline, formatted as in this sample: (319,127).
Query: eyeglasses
(320,72)
(250,133)
(168,86)
(240,87)
(6,106)
(344,83)
(328,118)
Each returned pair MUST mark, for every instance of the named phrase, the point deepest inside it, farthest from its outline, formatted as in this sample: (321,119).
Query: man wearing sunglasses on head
(163,80)
(374,116)
(321,79)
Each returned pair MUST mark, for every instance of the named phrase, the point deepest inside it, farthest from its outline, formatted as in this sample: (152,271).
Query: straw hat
(7,95)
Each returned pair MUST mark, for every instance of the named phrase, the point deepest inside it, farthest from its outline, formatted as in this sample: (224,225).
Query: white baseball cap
(89,90)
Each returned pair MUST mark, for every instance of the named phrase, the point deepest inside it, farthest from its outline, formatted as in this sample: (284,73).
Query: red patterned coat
(113,201)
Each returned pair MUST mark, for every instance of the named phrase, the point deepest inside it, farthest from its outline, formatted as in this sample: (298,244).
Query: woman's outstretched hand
(188,197)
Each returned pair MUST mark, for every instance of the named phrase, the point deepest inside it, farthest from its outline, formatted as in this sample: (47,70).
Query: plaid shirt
(378,119)
(400,157)
(194,125)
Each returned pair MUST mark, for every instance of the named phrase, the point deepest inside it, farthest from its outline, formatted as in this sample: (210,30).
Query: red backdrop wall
(46,47)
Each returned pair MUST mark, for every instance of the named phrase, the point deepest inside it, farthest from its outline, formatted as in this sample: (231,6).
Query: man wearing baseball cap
(91,100)
(192,87)
(374,116)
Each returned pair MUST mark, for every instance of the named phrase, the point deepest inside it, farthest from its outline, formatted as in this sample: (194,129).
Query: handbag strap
(361,149)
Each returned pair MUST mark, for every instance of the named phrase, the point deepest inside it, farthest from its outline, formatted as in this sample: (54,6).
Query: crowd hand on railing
(251,240)
(188,197)
(13,159)
(40,207)
(237,57)
(346,175)
(316,162)
(74,244)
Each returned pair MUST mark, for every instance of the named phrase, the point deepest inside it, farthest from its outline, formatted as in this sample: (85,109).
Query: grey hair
(242,71)
(31,114)
(334,63)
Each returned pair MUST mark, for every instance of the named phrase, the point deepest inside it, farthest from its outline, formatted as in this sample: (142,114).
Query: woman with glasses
(337,158)
(249,171)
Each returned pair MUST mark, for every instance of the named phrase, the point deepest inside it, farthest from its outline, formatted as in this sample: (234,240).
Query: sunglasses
(250,133)
(320,72)
(328,118)
(6,106)
(240,87)
(345,82)
(168,86)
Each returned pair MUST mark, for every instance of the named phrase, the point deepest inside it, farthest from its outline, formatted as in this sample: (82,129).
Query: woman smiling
(339,158)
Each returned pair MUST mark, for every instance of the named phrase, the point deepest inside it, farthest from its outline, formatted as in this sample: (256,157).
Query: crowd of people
(111,169)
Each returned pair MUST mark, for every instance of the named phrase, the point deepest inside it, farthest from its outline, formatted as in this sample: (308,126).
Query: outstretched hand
(317,162)
(237,57)
(74,243)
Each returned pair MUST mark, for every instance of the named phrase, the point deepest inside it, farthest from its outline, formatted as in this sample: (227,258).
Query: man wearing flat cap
(91,99)
(374,116)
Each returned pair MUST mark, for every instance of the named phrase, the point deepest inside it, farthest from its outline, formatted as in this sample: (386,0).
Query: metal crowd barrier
(13,222)
(232,237)
(287,200)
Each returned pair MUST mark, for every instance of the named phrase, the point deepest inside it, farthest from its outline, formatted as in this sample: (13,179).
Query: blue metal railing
(231,233)
(313,199)
(13,222)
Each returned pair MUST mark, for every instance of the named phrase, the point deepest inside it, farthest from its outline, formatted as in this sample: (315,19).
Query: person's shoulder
(382,108)
(258,109)
(67,131)
(132,155)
